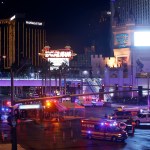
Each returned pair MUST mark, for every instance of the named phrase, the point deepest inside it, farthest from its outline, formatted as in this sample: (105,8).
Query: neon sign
(58,54)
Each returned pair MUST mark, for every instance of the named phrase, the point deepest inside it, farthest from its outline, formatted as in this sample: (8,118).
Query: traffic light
(79,85)
(67,87)
(73,99)
(103,87)
(130,87)
(140,91)
(101,94)
(116,87)
(48,104)
(6,103)
(9,120)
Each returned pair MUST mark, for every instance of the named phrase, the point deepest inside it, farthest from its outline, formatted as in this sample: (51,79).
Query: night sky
(73,22)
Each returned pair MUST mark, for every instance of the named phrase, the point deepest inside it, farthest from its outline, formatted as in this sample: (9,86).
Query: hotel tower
(21,40)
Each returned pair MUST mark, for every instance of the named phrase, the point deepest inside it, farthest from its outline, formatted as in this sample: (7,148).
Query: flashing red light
(106,124)
(48,103)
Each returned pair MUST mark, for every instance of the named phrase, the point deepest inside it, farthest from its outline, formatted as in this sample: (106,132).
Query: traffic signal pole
(13,119)
(148,100)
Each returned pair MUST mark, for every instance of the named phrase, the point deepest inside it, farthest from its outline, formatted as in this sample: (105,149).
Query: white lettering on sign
(58,54)
(88,125)
(34,23)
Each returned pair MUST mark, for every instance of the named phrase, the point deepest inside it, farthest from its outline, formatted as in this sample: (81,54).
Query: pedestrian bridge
(37,82)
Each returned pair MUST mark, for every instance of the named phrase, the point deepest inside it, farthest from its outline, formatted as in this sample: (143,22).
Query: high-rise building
(132,10)
(21,40)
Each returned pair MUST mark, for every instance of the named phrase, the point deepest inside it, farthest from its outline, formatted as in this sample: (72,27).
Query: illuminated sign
(34,23)
(142,38)
(122,39)
(37,106)
(58,54)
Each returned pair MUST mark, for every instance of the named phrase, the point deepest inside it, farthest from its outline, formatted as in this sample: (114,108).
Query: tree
(46,70)
(65,69)
(55,74)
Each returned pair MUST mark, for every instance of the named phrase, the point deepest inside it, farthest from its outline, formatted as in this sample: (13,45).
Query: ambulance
(97,128)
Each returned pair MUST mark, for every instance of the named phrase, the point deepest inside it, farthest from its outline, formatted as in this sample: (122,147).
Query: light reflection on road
(62,136)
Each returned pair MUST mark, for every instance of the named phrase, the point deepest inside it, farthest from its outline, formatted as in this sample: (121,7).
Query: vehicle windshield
(114,129)
(121,113)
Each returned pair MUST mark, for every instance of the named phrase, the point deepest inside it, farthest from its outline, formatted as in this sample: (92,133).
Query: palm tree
(55,73)
(46,68)
(50,74)
(65,68)
(60,76)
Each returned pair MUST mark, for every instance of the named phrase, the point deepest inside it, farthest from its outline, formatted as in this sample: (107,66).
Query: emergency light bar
(36,106)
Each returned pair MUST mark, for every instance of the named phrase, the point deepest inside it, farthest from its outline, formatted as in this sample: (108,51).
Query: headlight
(119,135)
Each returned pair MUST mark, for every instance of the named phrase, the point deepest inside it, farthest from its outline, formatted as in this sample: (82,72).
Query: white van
(142,118)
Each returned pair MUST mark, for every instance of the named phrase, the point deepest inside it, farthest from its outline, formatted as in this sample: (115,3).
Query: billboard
(142,38)
(58,62)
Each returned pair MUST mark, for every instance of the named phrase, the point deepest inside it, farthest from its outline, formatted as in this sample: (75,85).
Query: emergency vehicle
(98,128)
(124,114)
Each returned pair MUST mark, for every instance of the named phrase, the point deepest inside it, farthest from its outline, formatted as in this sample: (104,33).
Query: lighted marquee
(36,106)
(58,56)
(62,53)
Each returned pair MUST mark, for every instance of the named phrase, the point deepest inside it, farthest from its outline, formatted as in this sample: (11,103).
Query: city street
(67,135)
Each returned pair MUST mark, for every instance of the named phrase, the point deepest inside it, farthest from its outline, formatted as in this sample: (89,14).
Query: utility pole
(13,119)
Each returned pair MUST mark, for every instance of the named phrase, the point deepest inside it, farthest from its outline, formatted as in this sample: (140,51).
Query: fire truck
(105,129)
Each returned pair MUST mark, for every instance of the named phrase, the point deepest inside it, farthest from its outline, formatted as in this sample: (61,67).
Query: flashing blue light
(89,132)
(111,124)
(3,109)
(102,124)
(6,109)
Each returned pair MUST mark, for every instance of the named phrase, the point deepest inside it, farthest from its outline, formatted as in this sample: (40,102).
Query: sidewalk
(9,147)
